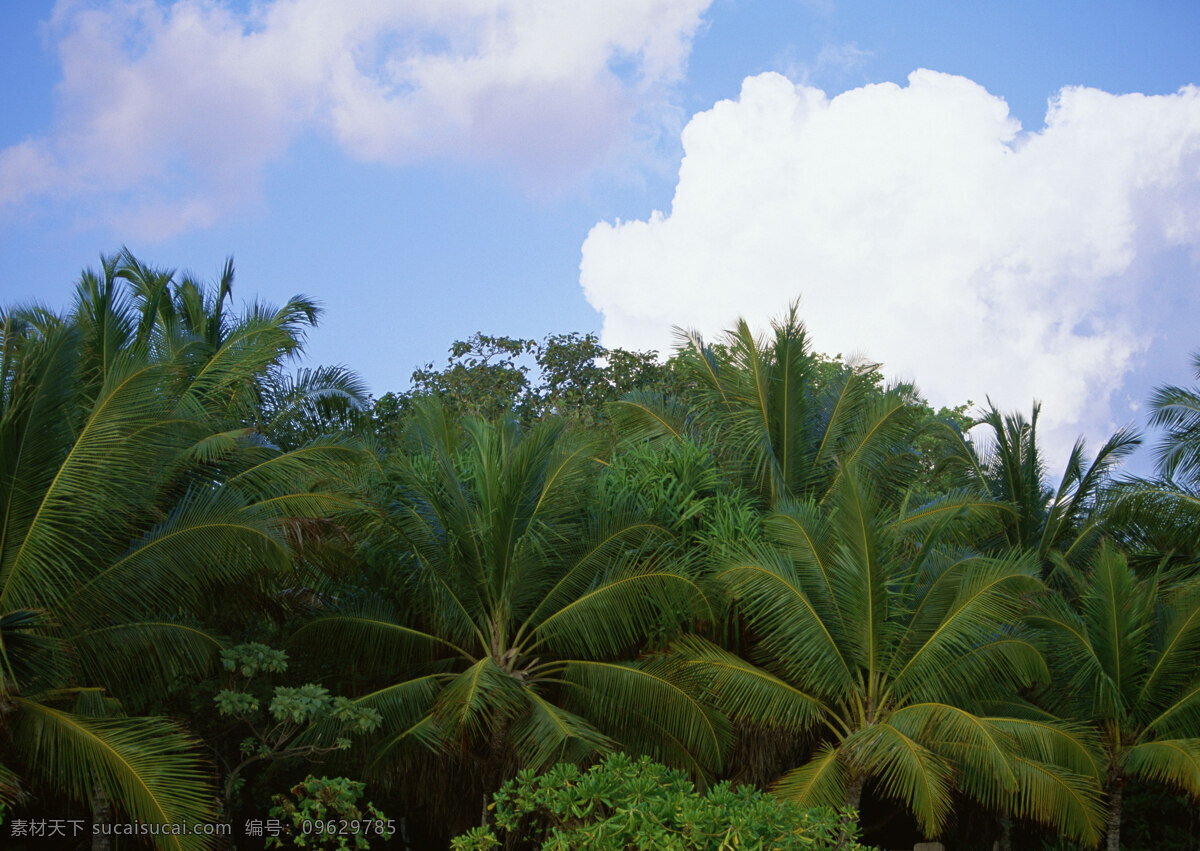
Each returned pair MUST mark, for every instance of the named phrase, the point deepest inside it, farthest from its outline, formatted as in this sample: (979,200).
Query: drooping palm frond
(373,636)
(11,791)
(745,692)
(800,638)
(294,408)
(210,539)
(612,617)
(654,706)
(905,769)
(1174,762)
(478,701)
(820,782)
(147,766)
(1049,795)
(137,659)
(546,733)
(1156,520)
(643,415)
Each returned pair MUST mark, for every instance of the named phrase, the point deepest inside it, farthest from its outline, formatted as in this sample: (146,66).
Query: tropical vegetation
(557,595)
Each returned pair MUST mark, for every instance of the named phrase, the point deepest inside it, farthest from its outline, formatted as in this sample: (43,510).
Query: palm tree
(129,499)
(1177,409)
(1055,523)
(518,610)
(790,423)
(1124,658)
(873,627)
(67,499)
(1159,518)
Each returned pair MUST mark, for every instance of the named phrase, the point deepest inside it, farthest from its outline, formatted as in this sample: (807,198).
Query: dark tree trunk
(102,815)
(1116,790)
(1004,843)
(854,790)
(493,773)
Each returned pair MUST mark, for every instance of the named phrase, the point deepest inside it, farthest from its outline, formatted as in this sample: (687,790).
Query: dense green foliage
(622,803)
(795,588)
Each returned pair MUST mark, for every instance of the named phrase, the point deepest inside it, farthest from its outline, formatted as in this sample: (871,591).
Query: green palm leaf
(651,703)
(147,766)
(820,782)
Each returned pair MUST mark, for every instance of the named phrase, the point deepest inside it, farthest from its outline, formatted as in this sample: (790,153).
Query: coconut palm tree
(790,423)
(1159,518)
(519,613)
(876,629)
(1177,409)
(1055,523)
(128,500)
(1123,653)
(68,498)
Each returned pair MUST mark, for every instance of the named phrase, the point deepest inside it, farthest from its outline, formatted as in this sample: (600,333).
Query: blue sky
(432,169)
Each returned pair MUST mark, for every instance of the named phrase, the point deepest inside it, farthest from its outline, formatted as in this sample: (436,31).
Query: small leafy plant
(323,812)
(292,710)
(622,803)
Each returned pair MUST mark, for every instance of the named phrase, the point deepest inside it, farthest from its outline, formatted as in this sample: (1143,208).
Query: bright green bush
(622,803)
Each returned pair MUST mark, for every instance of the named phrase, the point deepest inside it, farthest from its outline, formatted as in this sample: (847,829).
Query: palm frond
(650,704)
(142,660)
(621,611)
(478,700)
(906,770)
(742,691)
(1175,762)
(547,734)
(370,635)
(820,782)
(988,595)
(147,766)
(1051,796)
(642,415)
(113,461)
(799,636)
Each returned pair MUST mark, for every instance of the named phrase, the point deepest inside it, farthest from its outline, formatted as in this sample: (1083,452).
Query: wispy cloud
(923,228)
(835,60)
(168,113)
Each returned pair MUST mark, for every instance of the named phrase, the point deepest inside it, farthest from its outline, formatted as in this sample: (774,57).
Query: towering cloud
(922,228)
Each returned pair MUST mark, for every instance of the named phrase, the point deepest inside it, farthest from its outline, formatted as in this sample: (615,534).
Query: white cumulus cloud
(168,112)
(921,227)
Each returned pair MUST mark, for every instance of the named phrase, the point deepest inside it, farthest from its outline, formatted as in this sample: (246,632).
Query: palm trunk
(854,790)
(101,815)
(1116,790)
(493,774)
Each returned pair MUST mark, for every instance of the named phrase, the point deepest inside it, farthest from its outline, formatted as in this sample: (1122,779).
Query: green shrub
(323,812)
(623,803)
